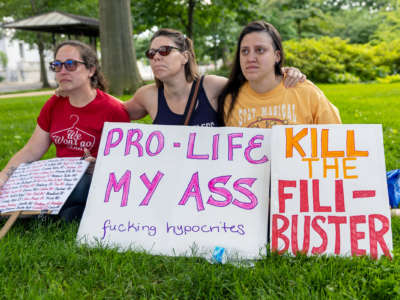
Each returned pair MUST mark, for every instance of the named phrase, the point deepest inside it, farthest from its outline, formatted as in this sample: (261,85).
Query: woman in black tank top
(173,63)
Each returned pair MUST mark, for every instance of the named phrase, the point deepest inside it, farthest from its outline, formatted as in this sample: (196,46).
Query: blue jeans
(75,204)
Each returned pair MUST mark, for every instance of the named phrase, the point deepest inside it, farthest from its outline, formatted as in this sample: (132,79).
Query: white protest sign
(42,185)
(328,190)
(178,190)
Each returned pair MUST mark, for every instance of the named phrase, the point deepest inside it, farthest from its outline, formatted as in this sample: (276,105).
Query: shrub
(333,60)
(390,79)
(343,78)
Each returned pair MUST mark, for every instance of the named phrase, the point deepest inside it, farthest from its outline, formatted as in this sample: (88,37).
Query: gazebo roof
(58,22)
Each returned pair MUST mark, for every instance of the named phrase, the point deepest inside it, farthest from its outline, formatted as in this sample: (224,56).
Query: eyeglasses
(70,65)
(163,50)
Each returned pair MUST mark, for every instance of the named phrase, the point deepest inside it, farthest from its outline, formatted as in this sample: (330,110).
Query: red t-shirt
(72,128)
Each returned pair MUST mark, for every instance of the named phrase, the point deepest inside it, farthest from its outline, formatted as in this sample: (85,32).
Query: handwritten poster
(42,185)
(178,190)
(328,191)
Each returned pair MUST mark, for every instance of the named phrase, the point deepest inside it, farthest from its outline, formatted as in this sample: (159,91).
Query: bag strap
(193,101)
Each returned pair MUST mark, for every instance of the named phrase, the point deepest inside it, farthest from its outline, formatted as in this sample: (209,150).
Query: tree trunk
(191,6)
(43,70)
(118,54)
(298,26)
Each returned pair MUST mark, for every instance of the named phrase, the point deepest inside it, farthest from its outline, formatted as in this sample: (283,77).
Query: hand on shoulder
(292,76)
(213,86)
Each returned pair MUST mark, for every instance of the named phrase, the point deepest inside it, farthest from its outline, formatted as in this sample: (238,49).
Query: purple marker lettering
(130,142)
(160,143)
(151,186)
(132,226)
(106,225)
(193,190)
(203,230)
(109,143)
(176,230)
(232,146)
(225,228)
(220,191)
(237,187)
(187,228)
(215,147)
(253,145)
(125,181)
(241,229)
(190,155)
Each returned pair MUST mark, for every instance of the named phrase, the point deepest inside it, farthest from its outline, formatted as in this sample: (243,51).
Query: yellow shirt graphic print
(303,104)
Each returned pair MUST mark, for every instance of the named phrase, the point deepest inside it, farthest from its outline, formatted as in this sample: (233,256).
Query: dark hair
(236,77)
(89,57)
(184,44)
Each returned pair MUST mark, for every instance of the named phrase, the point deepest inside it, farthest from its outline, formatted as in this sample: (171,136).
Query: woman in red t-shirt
(74,121)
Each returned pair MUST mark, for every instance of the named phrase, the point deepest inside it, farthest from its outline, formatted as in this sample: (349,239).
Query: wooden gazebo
(57,22)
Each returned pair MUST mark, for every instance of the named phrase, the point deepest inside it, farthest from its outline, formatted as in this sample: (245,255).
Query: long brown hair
(89,57)
(184,44)
(236,77)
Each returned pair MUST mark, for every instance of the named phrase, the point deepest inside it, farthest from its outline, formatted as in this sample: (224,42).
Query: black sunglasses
(70,65)
(163,50)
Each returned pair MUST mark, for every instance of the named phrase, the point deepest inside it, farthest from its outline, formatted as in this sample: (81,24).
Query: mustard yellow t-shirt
(303,104)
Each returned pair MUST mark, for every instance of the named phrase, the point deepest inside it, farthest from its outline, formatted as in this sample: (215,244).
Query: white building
(23,61)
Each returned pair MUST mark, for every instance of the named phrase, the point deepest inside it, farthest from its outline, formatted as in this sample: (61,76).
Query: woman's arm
(143,102)
(34,149)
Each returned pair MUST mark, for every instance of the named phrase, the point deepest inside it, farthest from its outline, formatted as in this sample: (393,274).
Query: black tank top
(203,114)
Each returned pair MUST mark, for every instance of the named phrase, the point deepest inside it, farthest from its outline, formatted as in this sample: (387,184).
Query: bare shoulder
(213,86)
(143,102)
(144,95)
(214,82)
(146,91)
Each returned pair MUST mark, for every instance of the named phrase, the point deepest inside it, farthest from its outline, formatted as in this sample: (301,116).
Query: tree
(118,52)
(213,25)
(370,5)
(169,13)
(356,21)
(389,28)
(40,44)
(3,59)
(363,25)
(303,13)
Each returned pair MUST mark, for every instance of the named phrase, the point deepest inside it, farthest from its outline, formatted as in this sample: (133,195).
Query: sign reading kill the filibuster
(328,190)
(178,190)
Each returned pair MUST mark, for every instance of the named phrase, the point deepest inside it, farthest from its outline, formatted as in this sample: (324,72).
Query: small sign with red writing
(329,191)
(42,185)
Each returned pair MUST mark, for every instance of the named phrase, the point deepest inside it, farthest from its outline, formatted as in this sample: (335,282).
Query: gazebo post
(93,42)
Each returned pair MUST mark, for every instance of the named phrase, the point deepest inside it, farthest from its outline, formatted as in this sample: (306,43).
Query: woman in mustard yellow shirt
(255,96)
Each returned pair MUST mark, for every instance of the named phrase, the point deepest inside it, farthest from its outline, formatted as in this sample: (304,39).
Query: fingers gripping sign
(89,158)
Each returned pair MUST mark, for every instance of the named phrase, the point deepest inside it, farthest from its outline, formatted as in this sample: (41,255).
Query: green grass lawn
(40,260)
(371,104)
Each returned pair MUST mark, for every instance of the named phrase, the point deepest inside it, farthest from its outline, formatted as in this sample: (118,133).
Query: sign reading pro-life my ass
(178,190)
(328,190)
